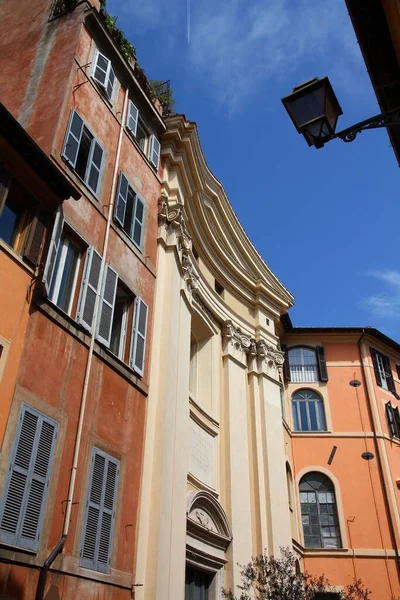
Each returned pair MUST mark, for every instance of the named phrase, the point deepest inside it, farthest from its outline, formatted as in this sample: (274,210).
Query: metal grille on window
(319,512)
(303,365)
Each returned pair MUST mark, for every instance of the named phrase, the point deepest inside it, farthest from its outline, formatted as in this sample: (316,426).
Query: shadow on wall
(10,589)
(52,593)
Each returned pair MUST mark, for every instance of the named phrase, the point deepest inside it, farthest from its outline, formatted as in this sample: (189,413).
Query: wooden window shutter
(73,138)
(4,184)
(107,302)
(89,288)
(94,166)
(323,371)
(35,239)
(286,366)
(98,526)
(154,151)
(398,371)
(389,374)
(138,342)
(110,82)
(133,116)
(122,199)
(376,368)
(138,223)
(53,249)
(397,421)
(390,419)
(25,492)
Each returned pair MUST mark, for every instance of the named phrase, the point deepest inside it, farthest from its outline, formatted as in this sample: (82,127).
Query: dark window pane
(141,137)
(11,217)
(117,331)
(303,416)
(313,416)
(129,212)
(83,153)
(68,277)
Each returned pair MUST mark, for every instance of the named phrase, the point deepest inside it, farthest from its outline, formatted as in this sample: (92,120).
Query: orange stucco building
(75,321)
(341,415)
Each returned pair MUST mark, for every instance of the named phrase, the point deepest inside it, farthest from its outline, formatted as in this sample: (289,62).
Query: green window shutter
(390,419)
(154,151)
(98,527)
(138,342)
(389,375)
(73,138)
(122,199)
(89,288)
(397,421)
(133,117)
(138,223)
(323,371)
(376,368)
(94,166)
(107,302)
(25,492)
(286,366)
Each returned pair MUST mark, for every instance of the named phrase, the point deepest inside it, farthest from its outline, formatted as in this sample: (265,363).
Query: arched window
(303,365)
(308,411)
(319,512)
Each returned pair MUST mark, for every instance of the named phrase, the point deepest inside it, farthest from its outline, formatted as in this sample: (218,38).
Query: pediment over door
(207,521)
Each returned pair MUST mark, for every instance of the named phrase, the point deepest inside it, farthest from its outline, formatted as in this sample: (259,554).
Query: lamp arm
(386,119)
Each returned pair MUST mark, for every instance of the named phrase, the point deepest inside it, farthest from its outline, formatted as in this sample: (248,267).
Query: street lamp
(314,110)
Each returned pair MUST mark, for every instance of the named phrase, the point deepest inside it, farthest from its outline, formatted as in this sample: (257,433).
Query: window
(129,211)
(393,418)
(138,131)
(22,223)
(219,288)
(98,526)
(197,584)
(308,411)
(383,371)
(306,365)
(83,152)
(25,491)
(104,74)
(72,280)
(318,512)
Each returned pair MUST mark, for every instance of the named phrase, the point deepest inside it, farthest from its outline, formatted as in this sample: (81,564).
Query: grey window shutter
(110,82)
(122,199)
(133,116)
(286,366)
(154,152)
(53,248)
(376,368)
(94,166)
(98,527)
(35,239)
(4,183)
(101,68)
(138,223)
(89,288)
(73,138)
(323,371)
(25,492)
(107,302)
(138,342)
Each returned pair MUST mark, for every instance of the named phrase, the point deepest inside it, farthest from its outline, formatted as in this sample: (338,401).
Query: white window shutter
(94,166)
(89,288)
(53,249)
(133,116)
(138,342)
(138,223)
(154,152)
(101,66)
(122,199)
(107,303)
(110,82)
(73,138)
(98,526)
(25,491)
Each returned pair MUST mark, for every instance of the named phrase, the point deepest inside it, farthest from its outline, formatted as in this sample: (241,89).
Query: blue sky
(325,221)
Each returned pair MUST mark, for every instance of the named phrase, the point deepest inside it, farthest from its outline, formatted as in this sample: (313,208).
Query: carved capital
(173,221)
(235,338)
(268,359)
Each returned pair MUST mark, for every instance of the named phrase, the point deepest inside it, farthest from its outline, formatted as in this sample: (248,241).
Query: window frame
(136,199)
(318,401)
(89,163)
(64,245)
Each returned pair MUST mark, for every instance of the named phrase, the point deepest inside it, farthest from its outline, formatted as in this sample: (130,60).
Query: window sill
(70,325)
(17,258)
(311,433)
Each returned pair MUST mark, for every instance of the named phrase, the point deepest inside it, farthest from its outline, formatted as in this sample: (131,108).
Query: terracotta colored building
(75,322)
(341,416)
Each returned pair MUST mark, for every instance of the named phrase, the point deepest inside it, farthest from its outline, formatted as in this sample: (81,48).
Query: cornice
(218,235)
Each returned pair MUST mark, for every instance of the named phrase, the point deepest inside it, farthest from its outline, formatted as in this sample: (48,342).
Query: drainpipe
(58,548)
(378,455)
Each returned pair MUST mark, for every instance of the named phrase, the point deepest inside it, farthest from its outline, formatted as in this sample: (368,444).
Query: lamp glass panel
(308,106)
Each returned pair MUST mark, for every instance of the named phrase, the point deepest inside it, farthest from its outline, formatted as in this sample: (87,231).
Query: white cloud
(387,303)
(238,46)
